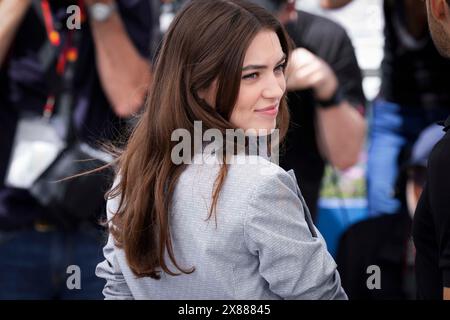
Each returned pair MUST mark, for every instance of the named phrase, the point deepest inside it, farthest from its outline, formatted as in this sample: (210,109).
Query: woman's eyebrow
(257,67)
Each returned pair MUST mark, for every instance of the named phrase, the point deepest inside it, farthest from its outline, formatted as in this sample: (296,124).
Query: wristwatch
(334,101)
(101,11)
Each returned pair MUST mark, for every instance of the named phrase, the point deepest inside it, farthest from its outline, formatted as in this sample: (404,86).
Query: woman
(222,63)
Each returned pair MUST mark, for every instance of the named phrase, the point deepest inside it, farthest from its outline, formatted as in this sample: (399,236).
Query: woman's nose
(275,87)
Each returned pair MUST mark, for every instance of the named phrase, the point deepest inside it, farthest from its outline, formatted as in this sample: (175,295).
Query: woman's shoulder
(244,174)
(259,172)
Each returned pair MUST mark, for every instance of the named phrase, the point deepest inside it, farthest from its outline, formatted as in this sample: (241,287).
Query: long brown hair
(206,41)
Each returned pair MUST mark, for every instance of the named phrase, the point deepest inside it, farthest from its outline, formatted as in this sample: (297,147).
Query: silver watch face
(100,11)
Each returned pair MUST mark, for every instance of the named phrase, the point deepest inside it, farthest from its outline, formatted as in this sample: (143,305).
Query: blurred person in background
(325,99)
(111,77)
(386,241)
(415,92)
(431,228)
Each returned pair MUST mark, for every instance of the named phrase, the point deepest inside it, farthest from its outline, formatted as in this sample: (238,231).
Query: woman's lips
(269,111)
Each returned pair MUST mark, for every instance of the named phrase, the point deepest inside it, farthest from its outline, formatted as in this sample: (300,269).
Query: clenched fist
(307,71)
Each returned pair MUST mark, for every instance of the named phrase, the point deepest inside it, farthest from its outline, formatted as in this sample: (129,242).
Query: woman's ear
(438,9)
(447,13)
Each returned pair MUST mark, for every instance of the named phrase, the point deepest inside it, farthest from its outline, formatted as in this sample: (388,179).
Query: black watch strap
(334,101)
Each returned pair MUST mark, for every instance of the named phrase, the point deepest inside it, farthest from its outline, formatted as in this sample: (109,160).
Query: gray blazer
(264,246)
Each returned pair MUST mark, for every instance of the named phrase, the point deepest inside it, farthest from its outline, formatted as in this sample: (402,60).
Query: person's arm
(446,293)
(125,74)
(11,14)
(342,132)
(341,129)
(116,287)
(334,4)
(293,257)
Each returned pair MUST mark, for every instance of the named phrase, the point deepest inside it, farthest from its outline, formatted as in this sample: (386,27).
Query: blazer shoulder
(259,172)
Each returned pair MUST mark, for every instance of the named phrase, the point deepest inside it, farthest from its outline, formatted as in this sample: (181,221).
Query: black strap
(65,98)
(62,87)
(47,54)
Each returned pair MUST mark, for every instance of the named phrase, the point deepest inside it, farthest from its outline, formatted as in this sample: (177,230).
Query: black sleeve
(439,197)
(329,41)
(345,65)
(141,20)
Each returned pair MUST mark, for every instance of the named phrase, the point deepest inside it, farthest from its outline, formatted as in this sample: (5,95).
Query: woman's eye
(281,67)
(250,76)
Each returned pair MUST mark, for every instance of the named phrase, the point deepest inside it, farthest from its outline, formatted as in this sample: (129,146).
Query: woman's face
(262,85)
